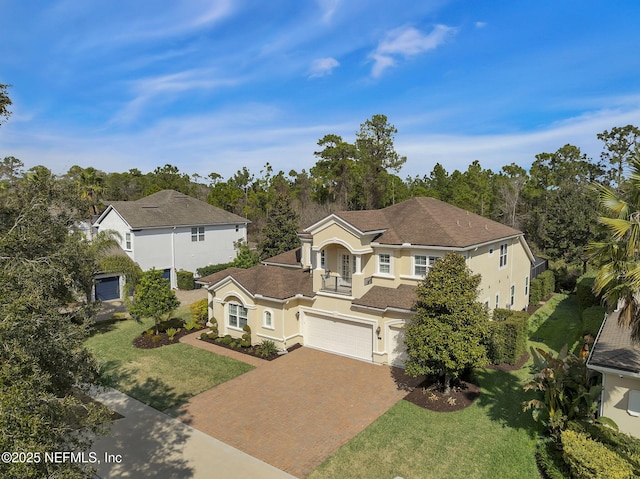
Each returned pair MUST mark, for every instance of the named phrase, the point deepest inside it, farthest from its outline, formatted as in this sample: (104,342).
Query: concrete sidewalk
(148,443)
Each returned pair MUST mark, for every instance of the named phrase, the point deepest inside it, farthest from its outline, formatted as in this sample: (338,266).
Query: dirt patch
(251,351)
(429,396)
(511,367)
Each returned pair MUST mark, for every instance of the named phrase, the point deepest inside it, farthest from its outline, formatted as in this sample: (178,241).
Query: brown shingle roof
(288,258)
(270,281)
(428,222)
(172,208)
(379,297)
(614,348)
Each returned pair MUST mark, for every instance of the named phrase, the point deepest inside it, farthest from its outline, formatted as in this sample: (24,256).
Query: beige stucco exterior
(345,264)
(615,401)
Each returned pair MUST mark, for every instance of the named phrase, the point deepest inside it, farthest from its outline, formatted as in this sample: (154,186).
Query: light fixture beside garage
(378,332)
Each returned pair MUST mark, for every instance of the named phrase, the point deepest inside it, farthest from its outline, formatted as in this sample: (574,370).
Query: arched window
(267,320)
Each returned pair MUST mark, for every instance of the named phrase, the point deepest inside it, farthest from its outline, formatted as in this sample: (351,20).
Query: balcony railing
(336,284)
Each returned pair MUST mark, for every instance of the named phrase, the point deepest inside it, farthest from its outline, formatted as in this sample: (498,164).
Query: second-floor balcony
(336,284)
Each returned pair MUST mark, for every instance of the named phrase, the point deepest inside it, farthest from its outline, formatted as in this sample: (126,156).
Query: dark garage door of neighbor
(108,288)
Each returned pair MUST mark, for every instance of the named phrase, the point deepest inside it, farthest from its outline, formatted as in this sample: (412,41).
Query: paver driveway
(296,411)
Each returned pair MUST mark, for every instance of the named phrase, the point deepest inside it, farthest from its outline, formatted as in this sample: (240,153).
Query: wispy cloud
(329,8)
(480,24)
(168,87)
(323,67)
(406,42)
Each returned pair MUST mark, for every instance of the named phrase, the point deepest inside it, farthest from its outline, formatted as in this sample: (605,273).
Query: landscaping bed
(429,395)
(251,350)
(146,341)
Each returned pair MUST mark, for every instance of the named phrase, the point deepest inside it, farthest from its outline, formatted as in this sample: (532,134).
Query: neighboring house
(350,288)
(618,359)
(171,231)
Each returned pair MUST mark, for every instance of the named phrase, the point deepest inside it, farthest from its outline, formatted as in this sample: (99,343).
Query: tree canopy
(445,335)
(153,298)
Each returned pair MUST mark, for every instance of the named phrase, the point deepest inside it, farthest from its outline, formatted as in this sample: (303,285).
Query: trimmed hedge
(507,338)
(624,445)
(548,279)
(589,459)
(535,292)
(584,291)
(213,268)
(592,320)
(185,280)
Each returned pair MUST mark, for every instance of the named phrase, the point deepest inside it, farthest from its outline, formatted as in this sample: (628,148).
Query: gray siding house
(170,231)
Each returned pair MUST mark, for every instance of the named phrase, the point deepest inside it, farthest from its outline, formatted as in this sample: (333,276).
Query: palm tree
(91,185)
(618,257)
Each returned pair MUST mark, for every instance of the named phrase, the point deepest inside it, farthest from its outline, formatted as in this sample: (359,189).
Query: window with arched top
(267,319)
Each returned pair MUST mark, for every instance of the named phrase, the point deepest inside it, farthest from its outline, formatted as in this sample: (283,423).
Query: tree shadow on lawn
(502,397)
(152,391)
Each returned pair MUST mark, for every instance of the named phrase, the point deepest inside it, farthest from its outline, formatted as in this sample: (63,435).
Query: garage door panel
(338,336)
(107,288)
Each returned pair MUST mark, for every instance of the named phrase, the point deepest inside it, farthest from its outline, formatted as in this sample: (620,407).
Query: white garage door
(338,336)
(397,350)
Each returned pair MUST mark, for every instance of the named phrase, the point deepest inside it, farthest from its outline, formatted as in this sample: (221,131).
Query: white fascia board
(446,248)
(333,218)
(106,212)
(389,308)
(618,372)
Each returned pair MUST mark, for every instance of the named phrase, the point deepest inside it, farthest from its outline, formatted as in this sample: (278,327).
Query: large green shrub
(548,283)
(185,280)
(624,445)
(584,291)
(200,310)
(212,268)
(592,318)
(589,459)
(507,338)
(535,292)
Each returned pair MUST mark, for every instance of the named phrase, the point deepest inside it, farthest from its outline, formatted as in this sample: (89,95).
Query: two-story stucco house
(171,231)
(350,288)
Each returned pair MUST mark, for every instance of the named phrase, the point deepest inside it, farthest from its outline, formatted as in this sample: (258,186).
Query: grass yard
(164,377)
(492,438)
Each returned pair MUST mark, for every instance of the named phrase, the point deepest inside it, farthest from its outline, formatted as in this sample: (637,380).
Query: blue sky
(212,86)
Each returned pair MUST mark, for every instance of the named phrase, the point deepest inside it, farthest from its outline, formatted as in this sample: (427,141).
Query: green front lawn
(163,377)
(491,438)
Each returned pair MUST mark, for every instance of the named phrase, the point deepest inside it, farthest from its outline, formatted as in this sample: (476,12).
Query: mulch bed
(429,395)
(511,367)
(146,342)
(251,351)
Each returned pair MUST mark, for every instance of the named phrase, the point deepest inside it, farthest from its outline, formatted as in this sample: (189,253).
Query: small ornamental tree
(153,298)
(445,336)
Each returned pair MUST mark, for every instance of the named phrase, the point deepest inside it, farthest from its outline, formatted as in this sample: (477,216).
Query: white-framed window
(526,286)
(419,265)
(384,263)
(348,266)
(503,254)
(323,259)
(512,298)
(422,263)
(497,301)
(127,241)
(197,233)
(237,316)
(267,319)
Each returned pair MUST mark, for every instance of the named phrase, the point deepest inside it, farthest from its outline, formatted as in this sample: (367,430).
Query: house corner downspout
(174,283)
